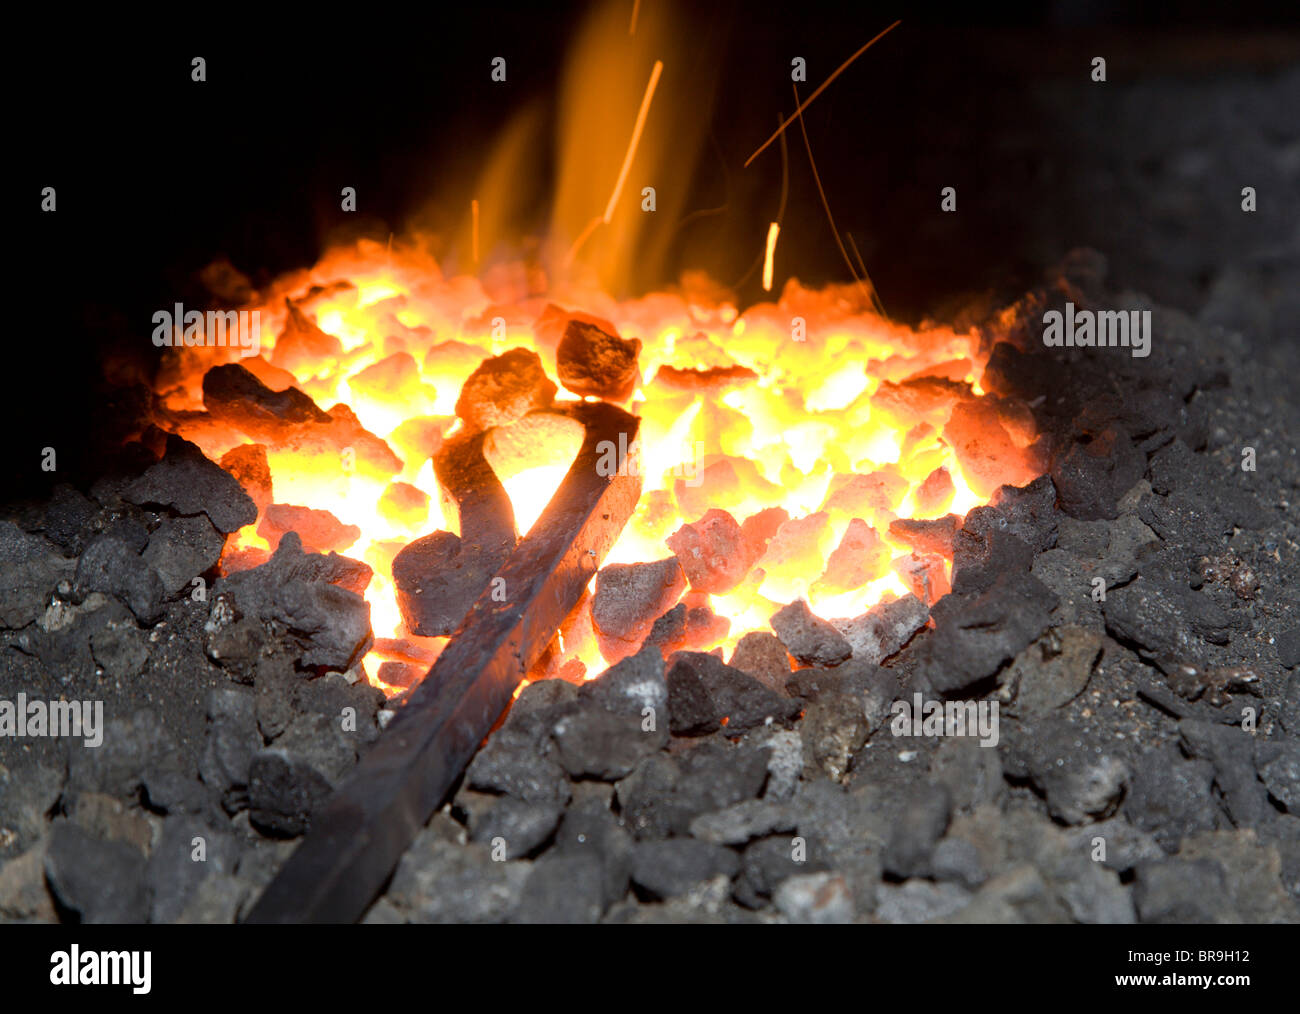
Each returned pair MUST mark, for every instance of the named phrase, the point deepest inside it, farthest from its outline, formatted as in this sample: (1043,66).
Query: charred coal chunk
(439,880)
(1172,796)
(181,549)
(292,421)
(1027,512)
(30,568)
(329,695)
(673,866)
(741,822)
(330,622)
(561,889)
(590,831)
(65,518)
(594,743)
(1055,670)
(1165,618)
(591,361)
(550,328)
(438,579)
(1176,890)
(684,627)
(1095,471)
(1279,770)
(512,764)
(629,598)
(704,693)
(28,795)
(73,640)
(523,826)
(174,877)
(120,648)
(534,714)
(232,740)
(234,395)
(504,389)
(767,864)
(884,629)
(665,793)
(291,563)
(845,705)
(979,560)
(298,772)
(316,599)
(809,638)
(1078,774)
(1288,649)
(133,748)
(977,633)
(918,830)
(1232,751)
(631,686)
(188,482)
(101,881)
(111,566)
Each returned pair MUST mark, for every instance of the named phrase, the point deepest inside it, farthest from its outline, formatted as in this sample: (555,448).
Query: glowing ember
(812,404)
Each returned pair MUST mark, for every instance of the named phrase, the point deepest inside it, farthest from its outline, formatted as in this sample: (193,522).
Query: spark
(773,231)
(838,71)
(825,203)
(780,213)
(871,286)
(636,139)
(636,8)
(591,227)
(627,165)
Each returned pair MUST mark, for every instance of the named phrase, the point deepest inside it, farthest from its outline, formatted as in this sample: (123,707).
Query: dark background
(156,176)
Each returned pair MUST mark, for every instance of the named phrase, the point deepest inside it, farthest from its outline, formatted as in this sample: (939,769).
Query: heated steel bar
(357,838)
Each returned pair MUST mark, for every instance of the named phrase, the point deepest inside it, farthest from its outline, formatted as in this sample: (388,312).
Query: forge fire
(807,450)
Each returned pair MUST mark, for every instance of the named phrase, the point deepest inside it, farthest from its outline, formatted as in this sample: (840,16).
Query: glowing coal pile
(807,449)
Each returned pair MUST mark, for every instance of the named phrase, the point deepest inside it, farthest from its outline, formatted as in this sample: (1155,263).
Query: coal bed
(635,565)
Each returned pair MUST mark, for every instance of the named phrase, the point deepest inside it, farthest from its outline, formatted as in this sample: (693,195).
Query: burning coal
(805,449)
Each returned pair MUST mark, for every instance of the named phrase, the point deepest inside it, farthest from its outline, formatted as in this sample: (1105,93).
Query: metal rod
(357,838)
